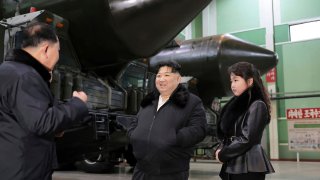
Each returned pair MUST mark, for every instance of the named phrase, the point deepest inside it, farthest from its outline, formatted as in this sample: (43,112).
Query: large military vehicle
(109,49)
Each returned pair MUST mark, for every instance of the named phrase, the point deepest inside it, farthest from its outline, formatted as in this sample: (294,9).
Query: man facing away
(29,116)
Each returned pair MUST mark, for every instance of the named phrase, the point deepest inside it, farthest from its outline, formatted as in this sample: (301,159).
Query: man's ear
(43,50)
(179,78)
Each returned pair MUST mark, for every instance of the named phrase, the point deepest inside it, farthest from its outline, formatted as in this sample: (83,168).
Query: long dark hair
(246,71)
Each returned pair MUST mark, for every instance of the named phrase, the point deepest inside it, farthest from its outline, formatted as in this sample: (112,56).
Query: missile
(208,59)
(109,32)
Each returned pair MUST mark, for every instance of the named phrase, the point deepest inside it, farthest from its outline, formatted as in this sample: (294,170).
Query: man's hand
(217,154)
(81,95)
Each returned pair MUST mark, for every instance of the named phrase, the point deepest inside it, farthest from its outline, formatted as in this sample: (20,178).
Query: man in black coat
(29,116)
(170,122)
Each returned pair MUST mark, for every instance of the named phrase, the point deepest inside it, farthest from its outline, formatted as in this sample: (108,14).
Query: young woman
(241,124)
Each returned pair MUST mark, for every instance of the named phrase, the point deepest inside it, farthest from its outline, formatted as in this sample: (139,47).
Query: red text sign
(303,113)
(271,75)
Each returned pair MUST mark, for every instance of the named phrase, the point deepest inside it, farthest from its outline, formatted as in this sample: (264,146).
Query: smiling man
(170,122)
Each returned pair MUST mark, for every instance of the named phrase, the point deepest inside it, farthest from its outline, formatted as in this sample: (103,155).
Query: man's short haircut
(176,68)
(36,33)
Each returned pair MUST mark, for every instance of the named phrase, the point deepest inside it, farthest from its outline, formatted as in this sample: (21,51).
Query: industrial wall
(299,62)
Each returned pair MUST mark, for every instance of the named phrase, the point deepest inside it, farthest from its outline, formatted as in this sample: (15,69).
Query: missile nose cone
(233,50)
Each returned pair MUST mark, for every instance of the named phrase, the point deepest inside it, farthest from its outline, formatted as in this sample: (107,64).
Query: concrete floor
(208,170)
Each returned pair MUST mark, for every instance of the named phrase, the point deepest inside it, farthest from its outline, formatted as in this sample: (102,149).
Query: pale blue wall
(294,10)
(235,15)
(239,15)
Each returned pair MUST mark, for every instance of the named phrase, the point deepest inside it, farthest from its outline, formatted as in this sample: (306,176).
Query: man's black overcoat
(29,119)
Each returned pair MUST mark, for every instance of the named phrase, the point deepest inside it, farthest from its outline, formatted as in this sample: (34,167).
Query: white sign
(304,135)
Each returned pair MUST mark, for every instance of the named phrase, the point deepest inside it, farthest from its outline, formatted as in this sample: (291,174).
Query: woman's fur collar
(179,97)
(236,108)
(21,56)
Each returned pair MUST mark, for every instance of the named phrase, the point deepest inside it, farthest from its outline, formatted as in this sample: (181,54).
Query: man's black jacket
(29,119)
(163,140)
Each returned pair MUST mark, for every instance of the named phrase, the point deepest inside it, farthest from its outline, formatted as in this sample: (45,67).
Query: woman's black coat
(240,128)
(163,141)
(30,118)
